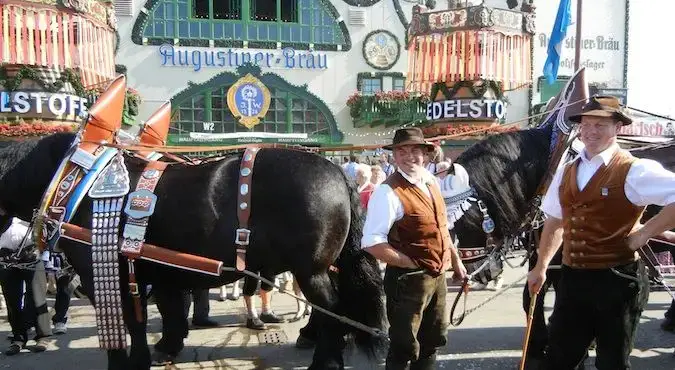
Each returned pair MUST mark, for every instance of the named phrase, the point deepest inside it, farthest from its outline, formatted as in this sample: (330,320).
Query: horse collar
(243,234)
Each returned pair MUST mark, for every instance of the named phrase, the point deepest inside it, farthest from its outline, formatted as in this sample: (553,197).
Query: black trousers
(21,312)
(597,304)
(62,302)
(418,317)
(251,285)
(201,300)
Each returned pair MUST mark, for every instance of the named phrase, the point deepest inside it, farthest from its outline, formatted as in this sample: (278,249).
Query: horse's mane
(505,170)
(26,165)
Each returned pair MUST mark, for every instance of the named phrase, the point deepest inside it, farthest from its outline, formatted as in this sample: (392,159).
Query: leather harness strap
(140,206)
(243,234)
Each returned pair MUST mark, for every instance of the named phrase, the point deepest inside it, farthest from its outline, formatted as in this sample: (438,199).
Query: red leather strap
(242,235)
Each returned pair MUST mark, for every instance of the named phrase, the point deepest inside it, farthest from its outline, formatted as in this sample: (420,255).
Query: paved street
(490,338)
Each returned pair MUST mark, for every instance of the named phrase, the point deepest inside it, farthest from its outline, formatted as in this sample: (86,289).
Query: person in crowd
(24,290)
(432,158)
(365,187)
(350,167)
(377,175)
(406,228)
(385,164)
(267,316)
(593,206)
(200,314)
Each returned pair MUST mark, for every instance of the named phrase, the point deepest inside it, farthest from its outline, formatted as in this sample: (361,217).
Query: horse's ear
(156,128)
(105,116)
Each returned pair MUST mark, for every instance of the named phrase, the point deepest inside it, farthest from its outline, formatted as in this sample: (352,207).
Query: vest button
(573,231)
(583,242)
(582,218)
(574,219)
(581,254)
(573,255)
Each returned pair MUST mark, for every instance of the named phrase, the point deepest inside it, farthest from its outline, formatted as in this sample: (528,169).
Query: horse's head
(26,169)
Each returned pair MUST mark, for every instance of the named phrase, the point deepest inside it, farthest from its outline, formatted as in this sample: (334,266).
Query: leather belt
(140,206)
(243,235)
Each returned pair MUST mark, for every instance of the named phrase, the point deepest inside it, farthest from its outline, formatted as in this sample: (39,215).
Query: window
(398,84)
(222,9)
(369,86)
(230,22)
(207,111)
(268,10)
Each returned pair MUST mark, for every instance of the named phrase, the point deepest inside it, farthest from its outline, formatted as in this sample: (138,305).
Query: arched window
(301,24)
(203,109)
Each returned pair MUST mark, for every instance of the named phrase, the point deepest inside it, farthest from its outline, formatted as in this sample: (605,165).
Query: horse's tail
(359,281)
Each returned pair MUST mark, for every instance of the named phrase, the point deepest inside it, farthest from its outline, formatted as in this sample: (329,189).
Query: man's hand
(459,271)
(536,279)
(637,239)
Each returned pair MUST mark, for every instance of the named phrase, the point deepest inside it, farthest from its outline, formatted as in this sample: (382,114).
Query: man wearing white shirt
(593,207)
(406,228)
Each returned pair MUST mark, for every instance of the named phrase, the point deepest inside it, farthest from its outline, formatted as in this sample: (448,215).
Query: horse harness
(100,172)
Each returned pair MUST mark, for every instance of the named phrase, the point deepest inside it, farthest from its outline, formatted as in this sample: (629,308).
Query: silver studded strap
(243,234)
(108,192)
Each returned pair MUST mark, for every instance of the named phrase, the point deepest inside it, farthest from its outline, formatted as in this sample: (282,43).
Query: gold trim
(248,121)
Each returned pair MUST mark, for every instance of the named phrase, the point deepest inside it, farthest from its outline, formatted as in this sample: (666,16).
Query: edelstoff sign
(603,40)
(466,109)
(23,102)
(287,58)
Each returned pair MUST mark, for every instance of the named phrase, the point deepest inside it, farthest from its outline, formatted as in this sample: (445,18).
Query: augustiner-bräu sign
(466,109)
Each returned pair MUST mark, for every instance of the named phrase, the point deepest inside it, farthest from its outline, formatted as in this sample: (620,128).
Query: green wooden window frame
(207,111)
(312,24)
(233,6)
(371,85)
(398,84)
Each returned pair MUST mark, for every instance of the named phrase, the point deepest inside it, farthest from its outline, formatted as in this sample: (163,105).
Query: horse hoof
(304,343)
(162,359)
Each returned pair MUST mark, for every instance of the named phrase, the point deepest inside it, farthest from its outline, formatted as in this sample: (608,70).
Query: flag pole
(577,39)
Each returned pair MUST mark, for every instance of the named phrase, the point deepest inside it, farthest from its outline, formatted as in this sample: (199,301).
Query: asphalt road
(490,338)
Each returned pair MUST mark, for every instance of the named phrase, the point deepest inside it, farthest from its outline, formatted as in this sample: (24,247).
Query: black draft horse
(305,217)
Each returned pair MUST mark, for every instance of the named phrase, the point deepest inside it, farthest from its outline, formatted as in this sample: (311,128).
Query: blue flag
(562,21)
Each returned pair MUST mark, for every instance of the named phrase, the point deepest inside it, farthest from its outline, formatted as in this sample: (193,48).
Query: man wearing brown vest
(593,206)
(406,228)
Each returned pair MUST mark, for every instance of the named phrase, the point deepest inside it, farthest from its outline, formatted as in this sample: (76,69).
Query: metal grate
(357,17)
(273,337)
(124,7)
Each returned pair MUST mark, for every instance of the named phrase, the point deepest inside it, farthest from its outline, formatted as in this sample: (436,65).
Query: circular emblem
(381,49)
(151,174)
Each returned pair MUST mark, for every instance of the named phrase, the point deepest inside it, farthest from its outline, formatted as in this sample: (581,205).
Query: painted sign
(287,58)
(603,42)
(466,109)
(248,100)
(200,138)
(649,128)
(23,102)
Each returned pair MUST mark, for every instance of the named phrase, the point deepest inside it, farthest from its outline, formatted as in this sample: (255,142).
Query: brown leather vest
(597,219)
(422,234)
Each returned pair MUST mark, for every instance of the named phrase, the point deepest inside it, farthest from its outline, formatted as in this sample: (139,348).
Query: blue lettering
(212,62)
(221,58)
(258,58)
(289,56)
(310,61)
(322,58)
(197,60)
(270,57)
(236,58)
(245,57)
(182,62)
(166,51)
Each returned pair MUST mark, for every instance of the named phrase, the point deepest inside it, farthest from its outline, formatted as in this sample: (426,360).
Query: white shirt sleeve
(462,176)
(648,183)
(550,205)
(384,208)
(11,239)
